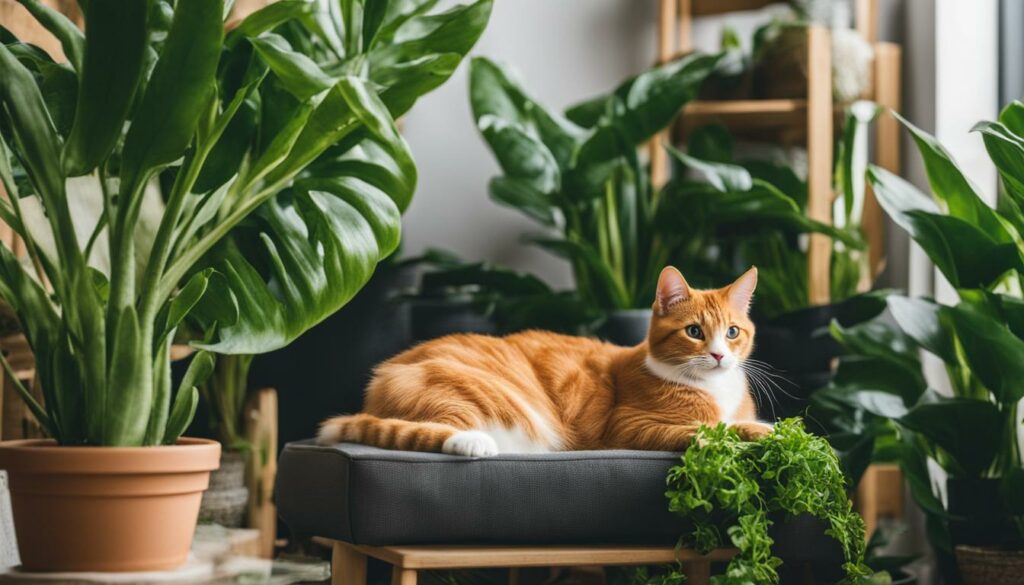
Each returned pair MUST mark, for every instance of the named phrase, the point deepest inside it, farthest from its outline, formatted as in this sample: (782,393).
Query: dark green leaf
(969,430)
(110,74)
(71,39)
(298,73)
(995,355)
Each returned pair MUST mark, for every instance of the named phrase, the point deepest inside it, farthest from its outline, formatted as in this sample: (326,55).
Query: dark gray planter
(626,327)
(433,318)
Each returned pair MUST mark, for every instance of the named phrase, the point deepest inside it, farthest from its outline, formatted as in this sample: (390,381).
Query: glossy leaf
(178,90)
(648,103)
(110,74)
(994,353)
(970,430)
(921,320)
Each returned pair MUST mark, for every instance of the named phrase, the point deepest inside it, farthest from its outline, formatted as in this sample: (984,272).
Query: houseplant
(580,177)
(301,166)
(974,506)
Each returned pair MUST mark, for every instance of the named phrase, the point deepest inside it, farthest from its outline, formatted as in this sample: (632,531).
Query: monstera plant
(967,423)
(280,182)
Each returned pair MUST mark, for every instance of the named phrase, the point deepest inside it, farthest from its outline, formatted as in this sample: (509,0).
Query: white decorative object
(8,545)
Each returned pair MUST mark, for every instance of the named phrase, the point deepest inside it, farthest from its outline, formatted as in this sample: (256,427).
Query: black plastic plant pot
(433,318)
(976,510)
(626,327)
(799,350)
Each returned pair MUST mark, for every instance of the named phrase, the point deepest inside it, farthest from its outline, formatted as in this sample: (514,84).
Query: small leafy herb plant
(729,491)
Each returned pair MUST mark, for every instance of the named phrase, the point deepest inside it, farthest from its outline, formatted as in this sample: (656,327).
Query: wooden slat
(261,432)
(865,18)
(347,565)
(710,7)
(819,160)
(887,146)
(482,557)
(685,26)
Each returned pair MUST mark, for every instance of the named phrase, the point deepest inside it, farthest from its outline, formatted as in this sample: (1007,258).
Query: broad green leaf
(455,30)
(970,430)
(71,39)
(199,369)
(653,99)
(521,195)
(384,19)
(268,18)
(711,143)
(880,403)
(881,374)
(878,339)
(949,185)
(721,176)
(1006,149)
(994,353)
(920,319)
(953,244)
(521,156)
(298,73)
(178,91)
(109,77)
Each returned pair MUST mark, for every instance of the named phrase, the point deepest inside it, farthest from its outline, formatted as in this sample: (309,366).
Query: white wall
(566,51)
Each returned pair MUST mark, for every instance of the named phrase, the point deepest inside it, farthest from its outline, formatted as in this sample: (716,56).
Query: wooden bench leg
(400,576)
(348,566)
(697,572)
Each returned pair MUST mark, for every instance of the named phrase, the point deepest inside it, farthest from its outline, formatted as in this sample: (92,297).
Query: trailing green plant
(970,430)
(283,183)
(724,214)
(580,177)
(729,492)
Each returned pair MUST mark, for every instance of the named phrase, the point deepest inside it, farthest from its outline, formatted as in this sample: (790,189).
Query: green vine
(729,490)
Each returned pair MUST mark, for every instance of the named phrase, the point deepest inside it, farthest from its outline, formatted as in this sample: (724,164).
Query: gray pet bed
(366,495)
(371,496)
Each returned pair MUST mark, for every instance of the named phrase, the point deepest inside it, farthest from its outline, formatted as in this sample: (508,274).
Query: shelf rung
(709,7)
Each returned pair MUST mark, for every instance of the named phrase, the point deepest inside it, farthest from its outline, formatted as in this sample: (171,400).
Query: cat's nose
(718,357)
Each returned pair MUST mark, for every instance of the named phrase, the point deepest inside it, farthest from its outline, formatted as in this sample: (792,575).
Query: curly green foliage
(725,484)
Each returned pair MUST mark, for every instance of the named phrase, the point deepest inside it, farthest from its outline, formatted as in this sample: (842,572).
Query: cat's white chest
(727,390)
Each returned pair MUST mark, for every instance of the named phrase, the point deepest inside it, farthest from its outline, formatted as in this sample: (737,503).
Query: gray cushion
(375,496)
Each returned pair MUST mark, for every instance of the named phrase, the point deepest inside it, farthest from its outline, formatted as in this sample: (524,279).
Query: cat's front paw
(470,444)
(752,430)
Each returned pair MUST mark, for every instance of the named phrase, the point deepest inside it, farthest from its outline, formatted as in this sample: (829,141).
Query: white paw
(470,444)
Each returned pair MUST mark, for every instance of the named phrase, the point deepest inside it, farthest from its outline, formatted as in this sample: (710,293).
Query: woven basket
(990,566)
(226,500)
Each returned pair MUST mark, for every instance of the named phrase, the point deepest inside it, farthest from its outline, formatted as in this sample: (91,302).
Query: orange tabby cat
(531,392)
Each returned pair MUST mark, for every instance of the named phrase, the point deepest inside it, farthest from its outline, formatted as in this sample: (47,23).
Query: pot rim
(45,456)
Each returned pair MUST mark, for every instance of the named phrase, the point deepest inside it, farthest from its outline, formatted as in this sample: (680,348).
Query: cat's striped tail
(386,433)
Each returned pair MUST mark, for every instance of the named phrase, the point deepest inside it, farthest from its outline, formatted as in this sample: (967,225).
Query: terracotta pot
(106,508)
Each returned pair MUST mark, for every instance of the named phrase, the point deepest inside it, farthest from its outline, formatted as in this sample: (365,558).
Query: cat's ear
(672,288)
(742,291)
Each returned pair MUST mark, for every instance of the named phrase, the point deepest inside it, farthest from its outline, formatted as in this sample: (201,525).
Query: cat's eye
(694,331)
(732,332)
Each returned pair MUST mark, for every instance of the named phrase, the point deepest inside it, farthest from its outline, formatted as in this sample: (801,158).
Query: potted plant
(974,507)
(580,177)
(303,168)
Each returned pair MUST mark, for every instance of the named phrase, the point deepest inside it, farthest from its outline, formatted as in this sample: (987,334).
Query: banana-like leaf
(297,72)
(110,74)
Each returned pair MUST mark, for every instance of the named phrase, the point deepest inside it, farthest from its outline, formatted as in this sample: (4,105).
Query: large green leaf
(949,185)
(647,104)
(969,430)
(318,243)
(921,320)
(953,244)
(994,353)
(110,74)
(178,90)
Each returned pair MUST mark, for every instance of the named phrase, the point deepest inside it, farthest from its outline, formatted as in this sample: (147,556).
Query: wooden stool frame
(348,564)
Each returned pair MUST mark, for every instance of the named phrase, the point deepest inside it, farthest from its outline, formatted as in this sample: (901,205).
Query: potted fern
(283,183)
